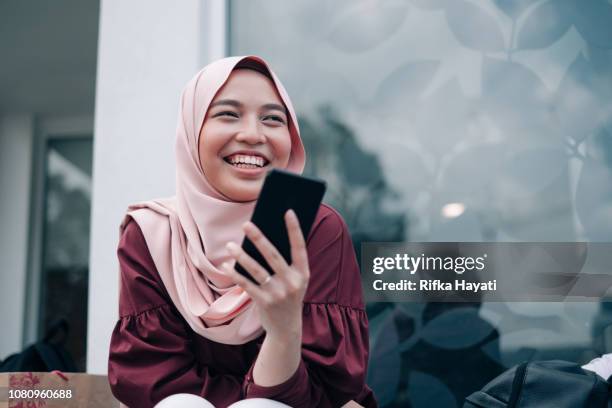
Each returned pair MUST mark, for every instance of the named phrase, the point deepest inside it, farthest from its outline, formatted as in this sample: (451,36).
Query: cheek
(283,149)
(208,149)
(211,143)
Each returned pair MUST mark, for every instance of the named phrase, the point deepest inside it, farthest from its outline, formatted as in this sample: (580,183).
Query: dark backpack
(544,384)
(43,356)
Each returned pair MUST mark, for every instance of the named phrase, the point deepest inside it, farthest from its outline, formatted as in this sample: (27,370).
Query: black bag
(543,384)
(43,356)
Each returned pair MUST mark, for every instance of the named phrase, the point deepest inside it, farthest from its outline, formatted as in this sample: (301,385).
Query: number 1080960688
(17,394)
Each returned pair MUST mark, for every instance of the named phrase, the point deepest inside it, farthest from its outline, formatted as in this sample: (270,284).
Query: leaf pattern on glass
(429,391)
(594,199)
(593,19)
(514,8)
(367,24)
(384,369)
(518,102)
(456,329)
(546,24)
(474,27)
(583,101)
(404,85)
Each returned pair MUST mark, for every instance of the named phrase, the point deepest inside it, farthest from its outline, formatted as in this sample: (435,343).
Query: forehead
(247,84)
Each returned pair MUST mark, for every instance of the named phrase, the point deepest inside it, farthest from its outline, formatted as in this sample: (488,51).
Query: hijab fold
(186,234)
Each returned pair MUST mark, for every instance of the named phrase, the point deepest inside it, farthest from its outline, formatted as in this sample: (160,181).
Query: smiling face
(245,134)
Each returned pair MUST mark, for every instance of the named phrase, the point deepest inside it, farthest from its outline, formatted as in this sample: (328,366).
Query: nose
(251,133)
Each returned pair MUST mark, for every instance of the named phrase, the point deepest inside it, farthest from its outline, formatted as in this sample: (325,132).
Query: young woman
(189,323)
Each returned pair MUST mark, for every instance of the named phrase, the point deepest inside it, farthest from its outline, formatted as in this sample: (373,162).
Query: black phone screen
(283,191)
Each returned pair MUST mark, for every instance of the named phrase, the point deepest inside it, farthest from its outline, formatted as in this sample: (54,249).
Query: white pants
(601,365)
(193,401)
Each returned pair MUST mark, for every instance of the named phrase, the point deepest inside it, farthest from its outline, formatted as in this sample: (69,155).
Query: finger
(266,249)
(252,289)
(299,256)
(253,267)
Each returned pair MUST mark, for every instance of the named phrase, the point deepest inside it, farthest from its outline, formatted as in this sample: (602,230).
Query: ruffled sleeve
(335,341)
(151,352)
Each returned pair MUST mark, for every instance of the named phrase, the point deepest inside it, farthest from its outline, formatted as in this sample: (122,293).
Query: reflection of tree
(356,184)
(67,224)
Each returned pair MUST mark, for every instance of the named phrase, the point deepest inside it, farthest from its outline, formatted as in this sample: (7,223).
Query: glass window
(453,121)
(65,264)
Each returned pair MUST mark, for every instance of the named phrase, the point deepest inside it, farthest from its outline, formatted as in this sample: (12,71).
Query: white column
(16,141)
(148,50)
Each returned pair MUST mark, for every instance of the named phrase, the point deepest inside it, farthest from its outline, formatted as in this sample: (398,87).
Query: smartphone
(282,191)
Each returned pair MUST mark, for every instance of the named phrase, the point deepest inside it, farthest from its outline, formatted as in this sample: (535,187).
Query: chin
(248,192)
(242,197)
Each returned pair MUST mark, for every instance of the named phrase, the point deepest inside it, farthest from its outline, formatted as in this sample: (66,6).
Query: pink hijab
(186,234)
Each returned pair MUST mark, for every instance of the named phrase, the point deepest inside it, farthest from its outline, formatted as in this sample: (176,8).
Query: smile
(245,161)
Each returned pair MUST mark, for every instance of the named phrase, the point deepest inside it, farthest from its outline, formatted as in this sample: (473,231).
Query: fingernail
(231,246)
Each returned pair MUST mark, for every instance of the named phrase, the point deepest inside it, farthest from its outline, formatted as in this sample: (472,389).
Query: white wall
(147,51)
(16,141)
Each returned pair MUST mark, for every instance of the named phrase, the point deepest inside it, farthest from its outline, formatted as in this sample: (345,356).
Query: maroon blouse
(154,353)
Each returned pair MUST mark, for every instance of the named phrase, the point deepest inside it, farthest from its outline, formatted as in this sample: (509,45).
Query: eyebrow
(237,104)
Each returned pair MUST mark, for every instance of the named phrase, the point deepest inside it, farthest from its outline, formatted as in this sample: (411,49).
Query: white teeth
(244,159)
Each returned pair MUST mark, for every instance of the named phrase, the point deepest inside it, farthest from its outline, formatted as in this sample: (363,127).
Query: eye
(274,118)
(226,114)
